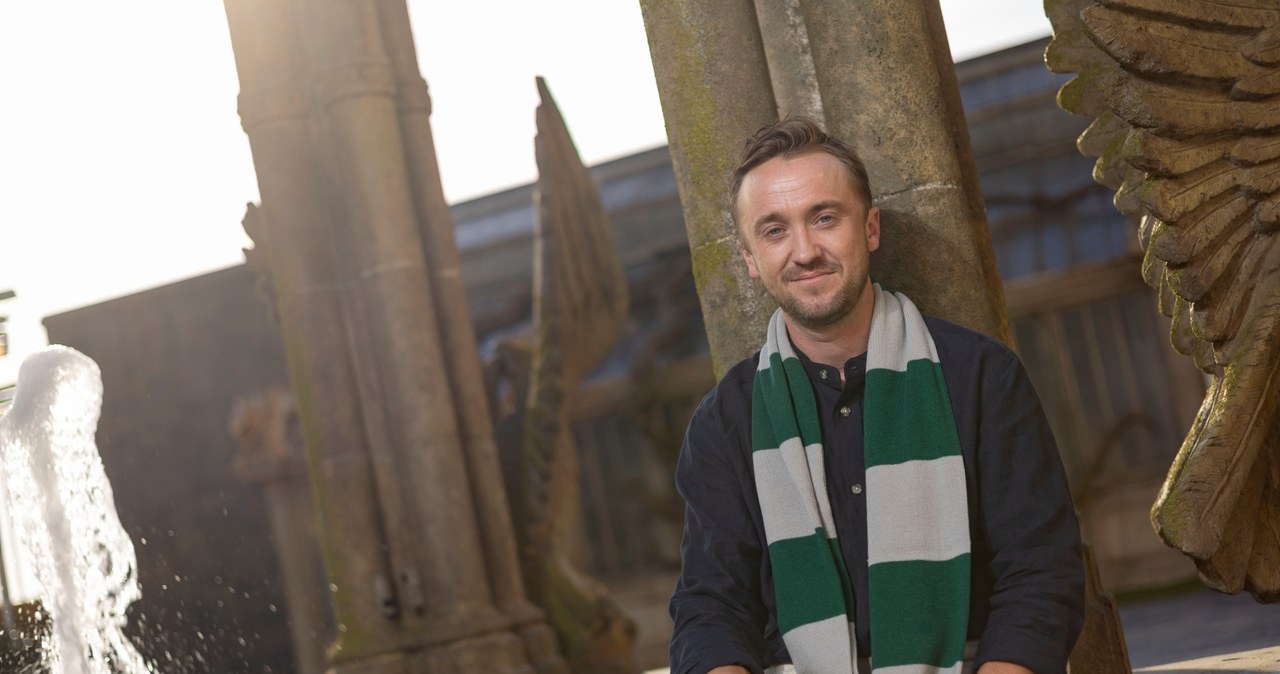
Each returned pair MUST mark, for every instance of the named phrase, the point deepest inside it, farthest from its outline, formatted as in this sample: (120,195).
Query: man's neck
(835,344)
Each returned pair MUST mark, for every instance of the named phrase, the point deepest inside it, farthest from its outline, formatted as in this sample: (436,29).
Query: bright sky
(123,165)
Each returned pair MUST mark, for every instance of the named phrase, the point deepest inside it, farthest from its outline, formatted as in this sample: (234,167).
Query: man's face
(806,234)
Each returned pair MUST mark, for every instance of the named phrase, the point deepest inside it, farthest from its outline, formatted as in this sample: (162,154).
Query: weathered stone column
(354,151)
(457,334)
(276,112)
(791,71)
(454,621)
(714,83)
(888,85)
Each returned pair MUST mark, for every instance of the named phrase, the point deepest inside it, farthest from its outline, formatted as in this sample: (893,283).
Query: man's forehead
(781,176)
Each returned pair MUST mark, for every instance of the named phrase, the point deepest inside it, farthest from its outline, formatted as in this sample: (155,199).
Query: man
(873,489)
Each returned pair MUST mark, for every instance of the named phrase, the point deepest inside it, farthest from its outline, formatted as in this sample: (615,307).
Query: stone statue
(1187,132)
(579,305)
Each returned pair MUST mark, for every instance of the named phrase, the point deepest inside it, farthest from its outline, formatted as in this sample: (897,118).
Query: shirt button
(856,489)
(822,374)
(844,411)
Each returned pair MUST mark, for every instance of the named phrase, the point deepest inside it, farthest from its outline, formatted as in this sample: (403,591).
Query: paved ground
(1260,660)
(1202,631)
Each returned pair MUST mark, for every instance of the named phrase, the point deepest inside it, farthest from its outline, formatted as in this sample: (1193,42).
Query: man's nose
(803,248)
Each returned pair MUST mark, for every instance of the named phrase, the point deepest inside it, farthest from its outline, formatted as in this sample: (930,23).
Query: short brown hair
(791,137)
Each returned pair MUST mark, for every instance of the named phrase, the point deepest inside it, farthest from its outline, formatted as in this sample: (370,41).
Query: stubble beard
(819,313)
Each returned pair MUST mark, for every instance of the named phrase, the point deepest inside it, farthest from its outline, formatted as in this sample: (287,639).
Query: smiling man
(874,491)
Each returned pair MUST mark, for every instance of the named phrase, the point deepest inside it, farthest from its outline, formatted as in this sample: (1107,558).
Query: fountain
(64,515)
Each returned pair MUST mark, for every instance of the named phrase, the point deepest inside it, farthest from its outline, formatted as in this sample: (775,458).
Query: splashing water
(64,514)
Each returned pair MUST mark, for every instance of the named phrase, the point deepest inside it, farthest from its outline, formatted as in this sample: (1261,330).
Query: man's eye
(826,219)
(772,232)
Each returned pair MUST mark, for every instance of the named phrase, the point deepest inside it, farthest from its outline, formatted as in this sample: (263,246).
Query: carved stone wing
(580,304)
(1186,100)
(576,242)
(579,301)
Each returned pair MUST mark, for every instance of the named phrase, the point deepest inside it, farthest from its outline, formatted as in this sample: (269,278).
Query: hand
(994,667)
(729,669)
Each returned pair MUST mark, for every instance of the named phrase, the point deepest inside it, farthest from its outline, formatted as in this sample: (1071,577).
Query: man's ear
(873,228)
(746,257)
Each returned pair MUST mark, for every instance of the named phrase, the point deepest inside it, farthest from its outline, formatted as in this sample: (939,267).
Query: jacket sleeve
(717,607)
(1036,607)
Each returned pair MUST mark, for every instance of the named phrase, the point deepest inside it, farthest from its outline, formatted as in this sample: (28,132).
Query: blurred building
(176,359)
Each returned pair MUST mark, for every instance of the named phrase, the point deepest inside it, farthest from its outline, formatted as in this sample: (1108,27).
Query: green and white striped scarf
(917,509)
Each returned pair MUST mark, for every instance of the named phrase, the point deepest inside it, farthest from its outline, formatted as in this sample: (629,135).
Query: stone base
(499,653)
(391,663)
(496,653)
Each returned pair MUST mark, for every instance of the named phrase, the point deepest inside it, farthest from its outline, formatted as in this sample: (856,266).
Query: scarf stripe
(904,592)
(814,638)
(913,409)
(773,482)
(917,504)
(921,669)
(803,586)
(923,510)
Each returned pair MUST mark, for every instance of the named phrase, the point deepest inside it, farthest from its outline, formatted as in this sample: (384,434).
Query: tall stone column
(446,590)
(888,85)
(297,212)
(457,335)
(437,529)
(713,80)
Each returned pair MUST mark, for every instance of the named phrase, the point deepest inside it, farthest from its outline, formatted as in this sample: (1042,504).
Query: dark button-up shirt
(1027,584)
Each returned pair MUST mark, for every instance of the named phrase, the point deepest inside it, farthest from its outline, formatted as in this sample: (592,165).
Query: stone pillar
(713,80)
(791,70)
(898,103)
(358,113)
(297,208)
(436,527)
(457,334)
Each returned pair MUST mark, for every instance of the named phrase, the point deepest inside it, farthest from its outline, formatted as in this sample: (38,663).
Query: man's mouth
(808,275)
